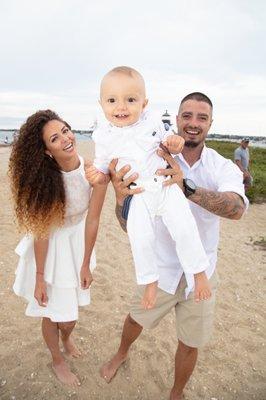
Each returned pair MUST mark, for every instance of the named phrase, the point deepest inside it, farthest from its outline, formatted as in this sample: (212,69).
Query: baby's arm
(40,251)
(174,143)
(91,229)
(202,287)
(95,176)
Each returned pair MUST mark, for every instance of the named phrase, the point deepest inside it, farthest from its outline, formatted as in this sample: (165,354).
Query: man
(214,187)
(241,157)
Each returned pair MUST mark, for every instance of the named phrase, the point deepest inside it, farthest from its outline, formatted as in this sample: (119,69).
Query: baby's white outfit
(64,257)
(136,145)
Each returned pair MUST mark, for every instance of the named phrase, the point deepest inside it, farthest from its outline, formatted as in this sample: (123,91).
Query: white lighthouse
(166,119)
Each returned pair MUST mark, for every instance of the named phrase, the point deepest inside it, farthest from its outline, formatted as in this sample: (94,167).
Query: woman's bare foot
(70,347)
(109,369)
(64,374)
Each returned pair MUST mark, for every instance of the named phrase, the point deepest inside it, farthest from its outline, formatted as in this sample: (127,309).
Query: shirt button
(155,179)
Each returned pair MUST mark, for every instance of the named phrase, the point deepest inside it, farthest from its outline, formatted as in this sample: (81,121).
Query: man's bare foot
(109,369)
(64,374)
(174,396)
(70,348)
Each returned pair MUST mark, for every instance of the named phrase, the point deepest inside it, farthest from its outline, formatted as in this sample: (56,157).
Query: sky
(53,54)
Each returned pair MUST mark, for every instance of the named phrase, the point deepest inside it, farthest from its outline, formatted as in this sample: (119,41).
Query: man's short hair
(197,96)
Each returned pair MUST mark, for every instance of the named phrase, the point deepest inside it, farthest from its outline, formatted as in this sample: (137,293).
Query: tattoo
(224,204)
(121,220)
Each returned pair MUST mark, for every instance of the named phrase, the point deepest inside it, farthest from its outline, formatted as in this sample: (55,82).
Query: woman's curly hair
(36,181)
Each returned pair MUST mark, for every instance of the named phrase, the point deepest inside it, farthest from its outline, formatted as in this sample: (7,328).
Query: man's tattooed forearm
(225,204)
(121,220)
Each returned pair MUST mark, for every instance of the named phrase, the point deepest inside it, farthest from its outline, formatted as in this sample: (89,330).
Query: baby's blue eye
(131,99)
(111,100)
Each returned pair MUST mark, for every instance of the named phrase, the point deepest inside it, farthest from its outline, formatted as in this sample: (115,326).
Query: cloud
(54,54)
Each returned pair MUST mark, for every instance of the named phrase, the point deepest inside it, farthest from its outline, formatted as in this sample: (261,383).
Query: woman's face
(60,142)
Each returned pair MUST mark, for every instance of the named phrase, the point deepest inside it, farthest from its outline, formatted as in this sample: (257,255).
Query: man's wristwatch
(189,187)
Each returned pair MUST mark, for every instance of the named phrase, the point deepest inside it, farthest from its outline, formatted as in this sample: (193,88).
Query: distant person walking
(241,158)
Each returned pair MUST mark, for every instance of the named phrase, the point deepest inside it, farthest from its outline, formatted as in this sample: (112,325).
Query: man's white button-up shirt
(213,172)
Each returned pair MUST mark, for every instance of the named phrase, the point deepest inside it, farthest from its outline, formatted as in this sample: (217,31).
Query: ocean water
(9,136)
(84,136)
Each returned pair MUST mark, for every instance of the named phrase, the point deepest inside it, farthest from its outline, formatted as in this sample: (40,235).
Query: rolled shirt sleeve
(230,179)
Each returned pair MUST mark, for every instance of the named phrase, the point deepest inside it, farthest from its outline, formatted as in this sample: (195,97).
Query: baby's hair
(126,71)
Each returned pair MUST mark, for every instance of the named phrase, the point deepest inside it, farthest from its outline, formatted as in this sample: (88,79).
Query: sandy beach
(232,365)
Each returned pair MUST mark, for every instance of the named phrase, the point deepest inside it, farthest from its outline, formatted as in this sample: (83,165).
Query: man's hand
(149,297)
(202,287)
(120,185)
(246,174)
(174,144)
(174,171)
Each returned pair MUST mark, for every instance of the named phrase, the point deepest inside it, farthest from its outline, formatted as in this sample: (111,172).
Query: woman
(55,206)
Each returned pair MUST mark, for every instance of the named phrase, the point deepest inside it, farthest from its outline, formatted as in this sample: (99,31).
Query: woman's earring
(50,155)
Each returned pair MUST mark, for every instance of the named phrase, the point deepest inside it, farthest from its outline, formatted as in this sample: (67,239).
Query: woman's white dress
(64,257)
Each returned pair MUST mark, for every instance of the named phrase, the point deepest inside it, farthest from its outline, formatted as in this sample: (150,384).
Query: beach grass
(257,193)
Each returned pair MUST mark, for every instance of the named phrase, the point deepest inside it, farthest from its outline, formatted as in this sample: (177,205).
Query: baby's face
(122,99)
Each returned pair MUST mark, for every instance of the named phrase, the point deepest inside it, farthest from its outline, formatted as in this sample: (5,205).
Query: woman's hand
(121,185)
(174,171)
(85,277)
(40,292)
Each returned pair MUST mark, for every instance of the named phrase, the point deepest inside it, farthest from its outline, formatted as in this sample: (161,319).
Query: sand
(232,365)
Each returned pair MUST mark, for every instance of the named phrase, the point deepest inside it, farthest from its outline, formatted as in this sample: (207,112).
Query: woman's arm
(40,251)
(91,229)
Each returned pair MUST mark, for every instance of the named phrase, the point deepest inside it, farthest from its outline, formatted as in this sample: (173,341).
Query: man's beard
(191,143)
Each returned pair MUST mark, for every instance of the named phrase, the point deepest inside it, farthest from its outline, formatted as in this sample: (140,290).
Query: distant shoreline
(218,136)
(84,135)
(252,143)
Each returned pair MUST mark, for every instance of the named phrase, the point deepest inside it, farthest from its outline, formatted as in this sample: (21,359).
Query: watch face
(191,185)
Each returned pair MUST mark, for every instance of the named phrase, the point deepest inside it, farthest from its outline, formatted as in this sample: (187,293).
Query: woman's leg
(50,331)
(66,329)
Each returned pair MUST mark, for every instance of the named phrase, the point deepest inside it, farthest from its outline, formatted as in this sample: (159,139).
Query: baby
(133,136)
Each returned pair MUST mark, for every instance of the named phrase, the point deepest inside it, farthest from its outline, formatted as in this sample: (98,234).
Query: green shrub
(257,193)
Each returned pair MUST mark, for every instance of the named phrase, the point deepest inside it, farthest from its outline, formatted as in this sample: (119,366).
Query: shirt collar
(202,160)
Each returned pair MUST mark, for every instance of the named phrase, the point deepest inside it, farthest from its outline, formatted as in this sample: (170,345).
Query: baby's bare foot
(109,369)
(64,374)
(70,347)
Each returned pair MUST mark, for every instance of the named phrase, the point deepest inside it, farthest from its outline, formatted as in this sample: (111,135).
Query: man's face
(193,121)
(244,144)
